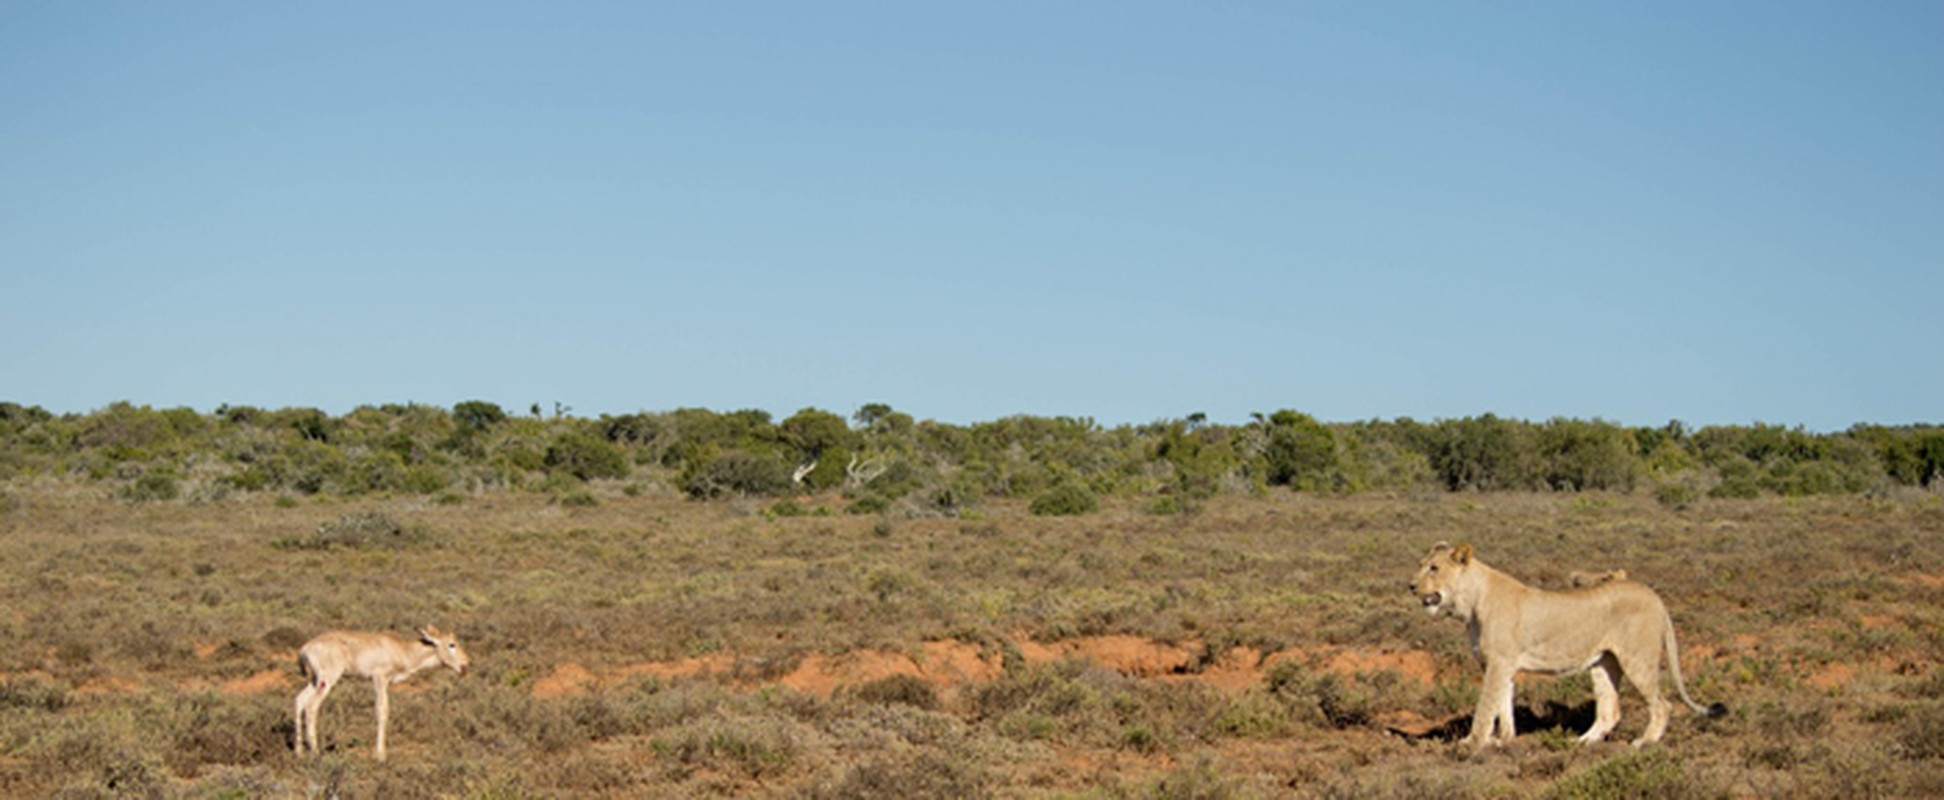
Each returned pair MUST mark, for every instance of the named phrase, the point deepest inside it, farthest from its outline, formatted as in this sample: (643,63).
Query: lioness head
(1438,573)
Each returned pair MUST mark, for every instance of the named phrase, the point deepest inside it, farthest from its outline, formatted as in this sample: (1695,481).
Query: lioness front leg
(1494,709)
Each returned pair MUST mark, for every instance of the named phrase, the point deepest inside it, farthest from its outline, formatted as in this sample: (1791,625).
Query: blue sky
(1713,212)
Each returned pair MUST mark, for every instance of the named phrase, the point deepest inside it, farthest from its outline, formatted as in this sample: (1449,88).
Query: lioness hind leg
(1646,678)
(1606,699)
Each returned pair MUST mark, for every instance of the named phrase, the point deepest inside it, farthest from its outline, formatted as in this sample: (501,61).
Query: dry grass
(1257,648)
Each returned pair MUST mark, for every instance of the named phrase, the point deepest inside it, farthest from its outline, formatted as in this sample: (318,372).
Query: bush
(739,474)
(909,690)
(1065,500)
(869,504)
(478,415)
(1324,697)
(1922,736)
(1301,452)
(1652,773)
(1679,490)
(586,457)
(32,693)
(755,747)
(1579,455)
(371,529)
(1198,781)
(156,484)
(919,775)
(207,728)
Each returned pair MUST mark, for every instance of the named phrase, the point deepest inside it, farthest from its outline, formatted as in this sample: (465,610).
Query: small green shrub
(919,775)
(371,529)
(909,690)
(1327,698)
(424,479)
(1165,505)
(755,747)
(1201,780)
(739,474)
(1253,715)
(1141,739)
(154,485)
(205,728)
(586,457)
(869,504)
(1651,773)
(32,693)
(1065,500)
(1922,734)
(1679,490)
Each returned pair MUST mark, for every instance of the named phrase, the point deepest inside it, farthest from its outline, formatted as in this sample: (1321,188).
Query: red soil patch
(820,674)
(567,679)
(1932,581)
(683,668)
(1832,676)
(269,680)
(1412,665)
(942,664)
(951,664)
(574,679)
(1132,655)
(1239,668)
(108,685)
(1407,723)
(956,663)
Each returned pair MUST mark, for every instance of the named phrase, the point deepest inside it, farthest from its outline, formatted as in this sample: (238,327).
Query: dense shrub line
(883,459)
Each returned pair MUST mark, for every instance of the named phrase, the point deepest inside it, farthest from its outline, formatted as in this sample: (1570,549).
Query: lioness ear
(1462,554)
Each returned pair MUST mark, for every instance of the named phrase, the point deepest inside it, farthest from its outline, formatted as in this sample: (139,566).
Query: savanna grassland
(631,641)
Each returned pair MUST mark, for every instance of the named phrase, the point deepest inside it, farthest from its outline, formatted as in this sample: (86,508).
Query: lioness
(1613,628)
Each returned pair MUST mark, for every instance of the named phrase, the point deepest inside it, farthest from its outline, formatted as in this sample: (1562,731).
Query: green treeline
(883,459)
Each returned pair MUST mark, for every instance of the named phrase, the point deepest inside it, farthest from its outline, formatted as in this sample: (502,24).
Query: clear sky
(1719,212)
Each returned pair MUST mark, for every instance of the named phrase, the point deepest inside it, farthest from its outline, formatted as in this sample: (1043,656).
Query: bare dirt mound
(567,679)
(823,675)
(1131,655)
(264,682)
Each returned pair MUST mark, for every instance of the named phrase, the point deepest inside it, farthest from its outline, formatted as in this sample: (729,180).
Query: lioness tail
(1680,684)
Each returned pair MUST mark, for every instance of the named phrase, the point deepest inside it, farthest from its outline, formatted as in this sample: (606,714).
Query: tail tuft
(1715,710)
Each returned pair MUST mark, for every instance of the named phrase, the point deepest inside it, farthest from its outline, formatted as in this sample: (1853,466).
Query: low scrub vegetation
(649,645)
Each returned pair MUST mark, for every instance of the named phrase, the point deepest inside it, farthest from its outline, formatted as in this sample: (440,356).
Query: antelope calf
(382,657)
